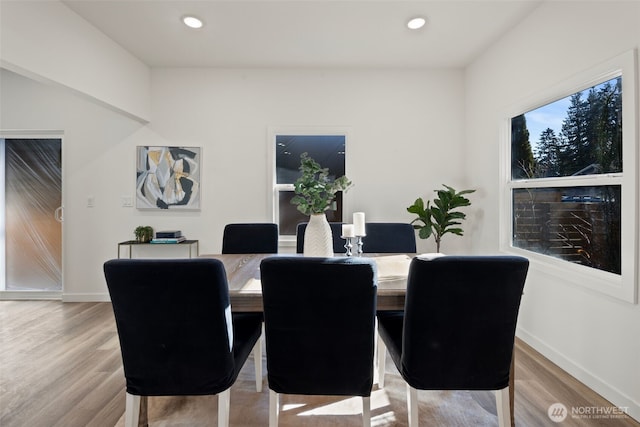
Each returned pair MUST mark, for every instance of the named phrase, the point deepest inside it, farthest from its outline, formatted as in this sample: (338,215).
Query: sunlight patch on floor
(385,419)
(348,406)
(291,406)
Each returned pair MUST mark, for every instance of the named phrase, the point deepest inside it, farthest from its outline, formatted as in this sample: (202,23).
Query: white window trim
(283,239)
(625,285)
(273,188)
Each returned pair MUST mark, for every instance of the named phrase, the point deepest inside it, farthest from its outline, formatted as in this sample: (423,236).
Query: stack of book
(172,236)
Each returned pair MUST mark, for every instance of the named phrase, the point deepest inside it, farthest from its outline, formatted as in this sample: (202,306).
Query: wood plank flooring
(60,366)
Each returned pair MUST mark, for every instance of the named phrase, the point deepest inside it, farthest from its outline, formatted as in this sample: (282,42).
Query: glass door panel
(32,214)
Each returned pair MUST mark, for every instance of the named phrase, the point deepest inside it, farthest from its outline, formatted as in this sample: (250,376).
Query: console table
(135,249)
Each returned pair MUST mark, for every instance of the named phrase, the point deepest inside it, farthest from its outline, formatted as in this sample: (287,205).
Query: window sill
(621,287)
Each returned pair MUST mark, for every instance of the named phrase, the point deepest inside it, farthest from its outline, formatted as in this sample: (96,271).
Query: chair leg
(223,408)
(274,408)
(503,407)
(412,406)
(366,411)
(257,361)
(375,343)
(132,410)
(382,354)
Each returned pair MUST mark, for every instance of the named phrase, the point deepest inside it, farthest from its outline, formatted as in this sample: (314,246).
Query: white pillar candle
(358,224)
(347,230)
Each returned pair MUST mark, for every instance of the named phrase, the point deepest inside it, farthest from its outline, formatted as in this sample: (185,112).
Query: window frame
(621,286)
(274,188)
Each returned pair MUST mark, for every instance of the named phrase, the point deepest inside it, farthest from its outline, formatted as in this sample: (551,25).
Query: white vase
(318,241)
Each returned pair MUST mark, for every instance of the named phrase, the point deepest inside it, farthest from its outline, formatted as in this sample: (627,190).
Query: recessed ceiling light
(416,23)
(192,22)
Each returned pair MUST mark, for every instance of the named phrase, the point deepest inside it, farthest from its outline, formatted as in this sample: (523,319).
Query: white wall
(402,125)
(48,42)
(592,336)
(96,150)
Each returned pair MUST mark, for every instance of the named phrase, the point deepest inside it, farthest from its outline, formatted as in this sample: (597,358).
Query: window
(571,188)
(328,149)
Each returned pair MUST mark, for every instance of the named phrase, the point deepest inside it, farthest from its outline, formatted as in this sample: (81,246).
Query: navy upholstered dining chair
(177,333)
(319,316)
(382,237)
(336,231)
(458,328)
(250,238)
(389,237)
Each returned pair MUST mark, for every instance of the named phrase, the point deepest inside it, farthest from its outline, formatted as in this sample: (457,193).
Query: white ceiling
(304,33)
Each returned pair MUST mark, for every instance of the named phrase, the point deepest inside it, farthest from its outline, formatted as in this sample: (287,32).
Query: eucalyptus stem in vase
(315,193)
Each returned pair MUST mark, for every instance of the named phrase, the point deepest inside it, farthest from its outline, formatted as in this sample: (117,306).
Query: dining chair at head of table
(250,238)
(177,334)
(382,237)
(319,317)
(458,328)
(389,237)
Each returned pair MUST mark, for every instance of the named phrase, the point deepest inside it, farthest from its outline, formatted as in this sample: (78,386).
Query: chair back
(460,321)
(336,231)
(319,316)
(250,238)
(389,237)
(174,324)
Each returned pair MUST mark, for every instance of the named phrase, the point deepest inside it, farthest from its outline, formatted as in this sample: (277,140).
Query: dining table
(245,289)
(245,292)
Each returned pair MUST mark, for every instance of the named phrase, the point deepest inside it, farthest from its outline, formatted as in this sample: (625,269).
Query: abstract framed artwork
(168,177)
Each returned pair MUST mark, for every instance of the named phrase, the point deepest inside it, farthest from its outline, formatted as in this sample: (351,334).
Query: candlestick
(358,224)
(359,243)
(348,245)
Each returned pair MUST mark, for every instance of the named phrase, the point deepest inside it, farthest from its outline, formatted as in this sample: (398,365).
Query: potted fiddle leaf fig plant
(315,193)
(441,217)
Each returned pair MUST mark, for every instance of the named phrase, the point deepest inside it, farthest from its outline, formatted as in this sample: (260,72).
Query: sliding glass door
(31,214)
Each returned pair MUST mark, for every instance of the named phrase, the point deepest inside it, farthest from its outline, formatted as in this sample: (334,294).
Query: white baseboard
(600,386)
(30,295)
(53,295)
(69,297)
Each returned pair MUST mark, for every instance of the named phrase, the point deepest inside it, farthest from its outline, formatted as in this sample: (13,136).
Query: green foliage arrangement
(441,218)
(143,233)
(315,191)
